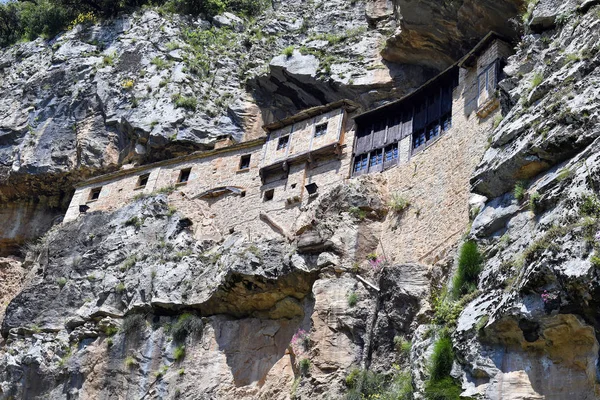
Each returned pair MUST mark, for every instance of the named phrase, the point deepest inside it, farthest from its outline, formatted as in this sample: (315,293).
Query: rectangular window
(321,129)
(245,162)
(487,82)
(95,194)
(283,142)
(311,188)
(142,181)
(184,175)
(418,138)
(269,194)
(433,131)
(376,158)
(360,163)
(446,122)
(391,153)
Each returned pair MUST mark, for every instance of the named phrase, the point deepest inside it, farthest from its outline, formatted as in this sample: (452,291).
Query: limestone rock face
(532,330)
(435,35)
(97,307)
(98,312)
(12,275)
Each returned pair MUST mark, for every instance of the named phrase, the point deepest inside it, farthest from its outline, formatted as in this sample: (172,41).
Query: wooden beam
(363,280)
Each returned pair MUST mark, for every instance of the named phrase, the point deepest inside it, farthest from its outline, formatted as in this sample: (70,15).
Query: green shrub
(590,206)
(159,62)
(62,281)
(161,372)
(444,389)
(563,18)
(166,190)
(356,212)
(134,221)
(564,173)
(130,362)
(187,324)
(352,299)
(441,359)
(470,263)
(352,377)
(247,7)
(129,262)
(179,353)
(133,323)
(401,387)
(11,27)
(364,384)
(519,190)
(110,330)
(402,345)
(534,201)
(572,57)
(44,18)
(189,103)
(537,78)
(109,59)
(595,260)
(288,51)
(398,203)
(304,366)
(497,120)
(120,288)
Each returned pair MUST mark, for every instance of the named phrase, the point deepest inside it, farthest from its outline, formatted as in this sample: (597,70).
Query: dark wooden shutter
(391,124)
(446,98)
(407,123)
(420,115)
(379,133)
(363,140)
(394,128)
(433,108)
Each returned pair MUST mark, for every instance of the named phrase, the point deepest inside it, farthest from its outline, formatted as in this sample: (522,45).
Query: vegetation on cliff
(28,20)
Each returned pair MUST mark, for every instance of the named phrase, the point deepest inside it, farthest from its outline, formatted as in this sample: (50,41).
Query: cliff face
(129,304)
(537,313)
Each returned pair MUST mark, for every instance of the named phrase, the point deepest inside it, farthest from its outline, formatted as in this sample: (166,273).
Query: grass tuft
(470,263)
(288,51)
(352,299)
(179,353)
(519,190)
(441,359)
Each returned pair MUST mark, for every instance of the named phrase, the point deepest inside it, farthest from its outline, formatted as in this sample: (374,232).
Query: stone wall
(436,183)
(218,215)
(302,136)
(435,180)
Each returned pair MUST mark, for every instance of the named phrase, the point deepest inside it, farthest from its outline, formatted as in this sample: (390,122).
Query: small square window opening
(245,161)
(269,194)
(321,129)
(95,194)
(143,180)
(311,188)
(283,142)
(184,175)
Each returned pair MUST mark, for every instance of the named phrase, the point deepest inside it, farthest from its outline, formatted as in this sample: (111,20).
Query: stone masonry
(222,191)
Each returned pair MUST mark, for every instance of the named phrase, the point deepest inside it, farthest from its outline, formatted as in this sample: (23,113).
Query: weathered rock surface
(532,331)
(91,276)
(433,34)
